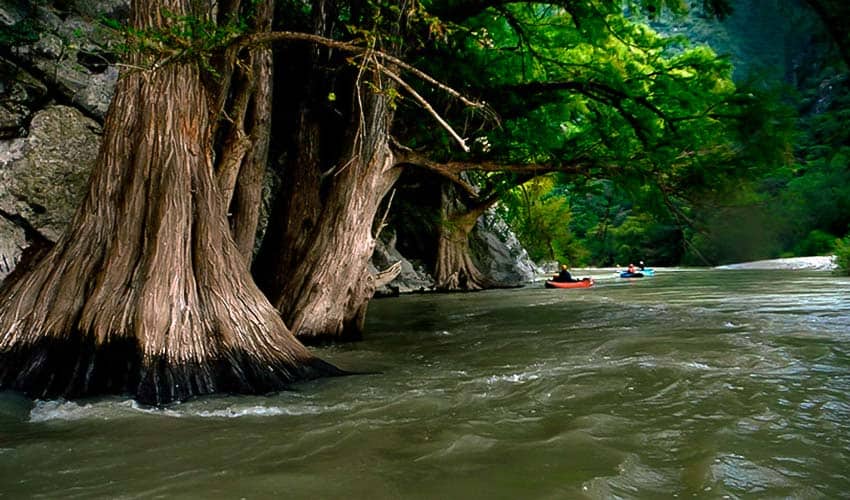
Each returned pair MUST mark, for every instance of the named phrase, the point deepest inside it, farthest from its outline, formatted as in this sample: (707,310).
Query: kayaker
(642,266)
(631,269)
(564,275)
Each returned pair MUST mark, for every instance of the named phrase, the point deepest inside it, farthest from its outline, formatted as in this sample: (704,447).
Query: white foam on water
(62,410)
(513,378)
(266,411)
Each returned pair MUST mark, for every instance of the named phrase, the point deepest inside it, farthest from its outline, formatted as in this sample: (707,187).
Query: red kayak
(585,283)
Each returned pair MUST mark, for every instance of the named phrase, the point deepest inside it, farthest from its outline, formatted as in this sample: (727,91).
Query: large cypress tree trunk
(243,158)
(146,293)
(313,263)
(454,269)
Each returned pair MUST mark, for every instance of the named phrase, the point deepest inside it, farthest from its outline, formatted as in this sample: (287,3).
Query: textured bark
(248,192)
(146,293)
(454,268)
(243,157)
(313,263)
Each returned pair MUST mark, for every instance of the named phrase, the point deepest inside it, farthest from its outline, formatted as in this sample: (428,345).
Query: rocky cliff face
(499,254)
(43,175)
(57,74)
(71,54)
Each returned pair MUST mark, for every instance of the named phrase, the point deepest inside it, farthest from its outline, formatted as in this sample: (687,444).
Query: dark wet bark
(246,95)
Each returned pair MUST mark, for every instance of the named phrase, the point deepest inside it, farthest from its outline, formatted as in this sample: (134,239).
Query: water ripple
(683,385)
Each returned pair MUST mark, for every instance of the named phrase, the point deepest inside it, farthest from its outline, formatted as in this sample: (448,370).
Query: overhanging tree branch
(452,168)
(425,105)
(371,58)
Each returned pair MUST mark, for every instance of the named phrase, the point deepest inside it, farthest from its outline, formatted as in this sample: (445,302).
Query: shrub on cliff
(842,255)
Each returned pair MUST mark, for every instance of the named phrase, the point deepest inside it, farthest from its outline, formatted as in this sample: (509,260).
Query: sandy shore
(823,263)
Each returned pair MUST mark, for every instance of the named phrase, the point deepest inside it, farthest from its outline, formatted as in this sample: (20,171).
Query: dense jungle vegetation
(789,197)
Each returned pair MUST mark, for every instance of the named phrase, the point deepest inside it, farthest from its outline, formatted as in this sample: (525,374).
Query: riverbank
(819,263)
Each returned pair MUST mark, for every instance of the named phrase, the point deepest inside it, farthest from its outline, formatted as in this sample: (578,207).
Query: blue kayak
(638,274)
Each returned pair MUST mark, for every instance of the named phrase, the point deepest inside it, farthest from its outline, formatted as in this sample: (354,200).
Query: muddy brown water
(689,384)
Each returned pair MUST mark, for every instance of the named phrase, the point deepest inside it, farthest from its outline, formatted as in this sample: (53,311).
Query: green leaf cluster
(583,88)
(540,215)
(842,255)
(184,38)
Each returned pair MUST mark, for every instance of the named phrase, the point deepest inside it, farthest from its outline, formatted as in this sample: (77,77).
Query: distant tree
(540,214)
(842,255)
(834,14)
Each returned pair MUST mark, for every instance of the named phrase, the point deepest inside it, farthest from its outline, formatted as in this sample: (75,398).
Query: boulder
(43,176)
(498,253)
(412,278)
(73,55)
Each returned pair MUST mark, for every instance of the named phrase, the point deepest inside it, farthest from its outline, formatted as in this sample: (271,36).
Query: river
(688,384)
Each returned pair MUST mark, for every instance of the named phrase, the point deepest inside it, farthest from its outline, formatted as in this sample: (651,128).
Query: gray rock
(74,57)
(49,46)
(113,9)
(498,253)
(97,94)
(43,176)
(412,278)
(495,249)
(59,66)
(20,93)
(12,118)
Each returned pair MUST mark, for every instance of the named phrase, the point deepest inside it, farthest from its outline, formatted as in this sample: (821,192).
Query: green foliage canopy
(583,89)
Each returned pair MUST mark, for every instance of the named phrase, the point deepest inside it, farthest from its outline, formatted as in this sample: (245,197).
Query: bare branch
(370,56)
(276,36)
(387,275)
(237,142)
(452,168)
(405,155)
(383,223)
(422,102)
